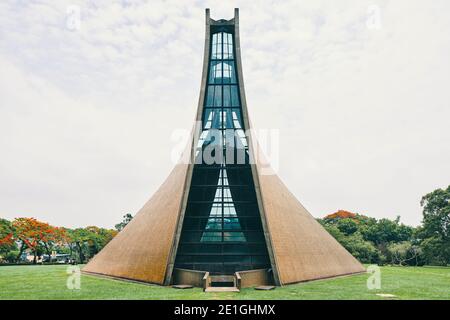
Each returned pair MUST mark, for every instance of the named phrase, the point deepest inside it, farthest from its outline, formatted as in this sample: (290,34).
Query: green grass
(49,282)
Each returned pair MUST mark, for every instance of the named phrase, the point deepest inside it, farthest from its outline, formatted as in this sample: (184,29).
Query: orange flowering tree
(41,237)
(56,236)
(34,234)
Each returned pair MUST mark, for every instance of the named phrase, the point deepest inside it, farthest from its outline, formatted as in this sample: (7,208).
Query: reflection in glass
(222,231)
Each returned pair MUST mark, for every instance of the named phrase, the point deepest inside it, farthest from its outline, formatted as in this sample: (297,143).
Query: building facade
(220,214)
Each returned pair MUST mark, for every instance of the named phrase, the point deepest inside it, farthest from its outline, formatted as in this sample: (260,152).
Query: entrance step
(220,283)
(182,286)
(222,289)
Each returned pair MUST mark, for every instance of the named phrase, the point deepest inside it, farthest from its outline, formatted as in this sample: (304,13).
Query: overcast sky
(360,91)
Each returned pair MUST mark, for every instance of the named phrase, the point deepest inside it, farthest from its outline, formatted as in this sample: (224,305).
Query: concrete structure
(212,221)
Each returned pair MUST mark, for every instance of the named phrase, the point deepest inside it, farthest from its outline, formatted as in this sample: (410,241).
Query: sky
(91,92)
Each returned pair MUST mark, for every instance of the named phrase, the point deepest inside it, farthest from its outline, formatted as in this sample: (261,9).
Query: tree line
(386,241)
(40,238)
(381,241)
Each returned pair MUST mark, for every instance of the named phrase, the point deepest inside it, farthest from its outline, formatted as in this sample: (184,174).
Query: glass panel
(212,118)
(211,236)
(210,96)
(231,224)
(234,97)
(214,223)
(228,114)
(233,236)
(222,46)
(229,75)
(230,46)
(242,138)
(214,46)
(222,230)
(236,118)
(217,96)
(215,72)
(222,72)
(226,96)
(227,46)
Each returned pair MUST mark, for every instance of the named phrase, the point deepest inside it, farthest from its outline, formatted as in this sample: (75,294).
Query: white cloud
(86,115)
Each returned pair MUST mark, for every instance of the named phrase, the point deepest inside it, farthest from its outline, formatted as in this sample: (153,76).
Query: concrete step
(225,278)
(222,281)
(222,289)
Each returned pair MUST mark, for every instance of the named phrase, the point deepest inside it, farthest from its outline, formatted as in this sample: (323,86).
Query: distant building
(57,258)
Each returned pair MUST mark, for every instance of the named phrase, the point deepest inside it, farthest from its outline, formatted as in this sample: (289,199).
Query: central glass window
(222,231)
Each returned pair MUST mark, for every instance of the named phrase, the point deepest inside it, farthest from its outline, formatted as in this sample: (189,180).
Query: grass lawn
(49,282)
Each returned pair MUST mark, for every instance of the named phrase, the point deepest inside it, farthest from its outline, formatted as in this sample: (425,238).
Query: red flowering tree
(33,234)
(55,236)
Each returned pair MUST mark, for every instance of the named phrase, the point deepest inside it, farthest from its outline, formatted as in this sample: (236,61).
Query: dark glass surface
(222,231)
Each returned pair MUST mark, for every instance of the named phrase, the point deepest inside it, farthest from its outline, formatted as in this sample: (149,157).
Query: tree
(385,231)
(7,243)
(55,237)
(367,238)
(334,231)
(98,238)
(32,234)
(435,251)
(126,219)
(436,213)
(436,226)
(78,237)
(89,241)
(403,253)
(361,249)
(347,226)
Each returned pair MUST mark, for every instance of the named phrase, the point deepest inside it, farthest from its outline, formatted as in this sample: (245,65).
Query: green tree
(126,219)
(403,253)
(436,213)
(361,249)
(98,238)
(435,251)
(77,239)
(7,243)
(86,242)
(436,226)
(347,226)
(385,231)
